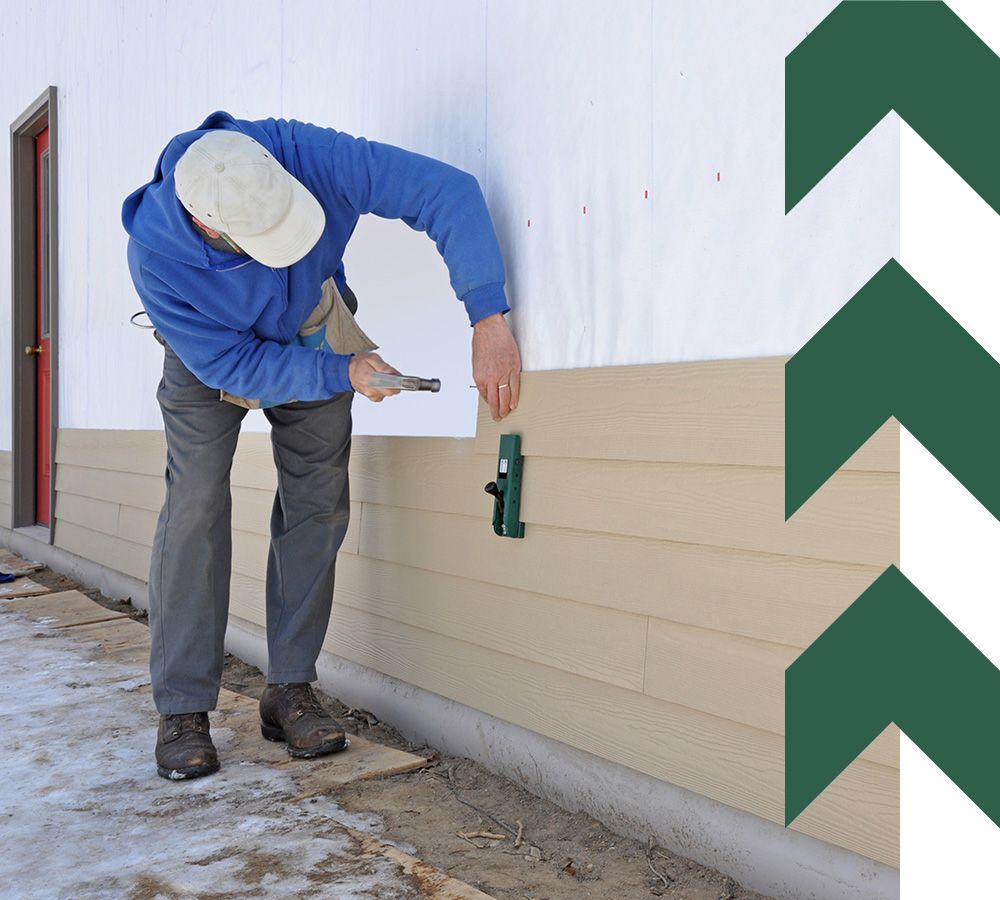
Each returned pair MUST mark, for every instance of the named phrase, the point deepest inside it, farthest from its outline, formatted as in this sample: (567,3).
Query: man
(232,245)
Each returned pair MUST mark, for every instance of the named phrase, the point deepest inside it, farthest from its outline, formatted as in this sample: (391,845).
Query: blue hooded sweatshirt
(232,320)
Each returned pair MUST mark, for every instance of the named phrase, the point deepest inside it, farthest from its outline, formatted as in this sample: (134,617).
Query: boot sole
(188,772)
(277,735)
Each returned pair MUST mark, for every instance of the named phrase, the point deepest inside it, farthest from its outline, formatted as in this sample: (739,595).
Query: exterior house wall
(658,592)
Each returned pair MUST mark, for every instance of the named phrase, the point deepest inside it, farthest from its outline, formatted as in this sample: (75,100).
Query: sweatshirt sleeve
(238,361)
(428,195)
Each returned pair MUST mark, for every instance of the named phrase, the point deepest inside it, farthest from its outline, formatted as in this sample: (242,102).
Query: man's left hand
(496,365)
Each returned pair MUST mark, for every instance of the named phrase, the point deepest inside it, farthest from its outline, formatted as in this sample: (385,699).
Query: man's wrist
(491,319)
(338,372)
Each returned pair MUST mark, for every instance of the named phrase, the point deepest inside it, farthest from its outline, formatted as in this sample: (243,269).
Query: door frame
(24,241)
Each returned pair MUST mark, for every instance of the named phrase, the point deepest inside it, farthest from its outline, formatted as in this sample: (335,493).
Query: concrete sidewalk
(84,815)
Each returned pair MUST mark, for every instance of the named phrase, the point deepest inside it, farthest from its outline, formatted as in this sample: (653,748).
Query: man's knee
(325,492)
(199,484)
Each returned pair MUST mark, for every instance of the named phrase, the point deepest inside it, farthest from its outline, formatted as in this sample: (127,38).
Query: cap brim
(293,237)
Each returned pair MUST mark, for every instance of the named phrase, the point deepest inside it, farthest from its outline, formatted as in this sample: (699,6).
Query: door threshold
(36,532)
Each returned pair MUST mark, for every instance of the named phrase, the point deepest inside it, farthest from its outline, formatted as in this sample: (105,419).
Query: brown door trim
(40,115)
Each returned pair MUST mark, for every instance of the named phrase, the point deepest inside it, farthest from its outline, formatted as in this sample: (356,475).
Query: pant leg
(312,446)
(192,550)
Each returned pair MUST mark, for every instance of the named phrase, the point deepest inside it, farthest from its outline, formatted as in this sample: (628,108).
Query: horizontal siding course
(724,412)
(784,599)
(728,761)
(587,640)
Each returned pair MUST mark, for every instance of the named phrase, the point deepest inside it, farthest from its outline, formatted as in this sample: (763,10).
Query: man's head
(232,185)
(212,234)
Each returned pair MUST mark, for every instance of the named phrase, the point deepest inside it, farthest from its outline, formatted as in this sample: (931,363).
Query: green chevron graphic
(909,665)
(869,57)
(892,350)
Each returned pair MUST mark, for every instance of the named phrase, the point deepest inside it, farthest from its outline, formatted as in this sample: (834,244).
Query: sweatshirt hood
(154,217)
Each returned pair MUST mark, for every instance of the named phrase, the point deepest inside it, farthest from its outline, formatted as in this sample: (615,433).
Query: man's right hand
(360,370)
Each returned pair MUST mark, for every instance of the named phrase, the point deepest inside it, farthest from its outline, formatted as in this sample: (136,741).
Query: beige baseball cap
(232,184)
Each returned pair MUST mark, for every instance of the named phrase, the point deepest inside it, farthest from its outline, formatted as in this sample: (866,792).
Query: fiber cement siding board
(253,465)
(598,643)
(735,764)
(784,599)
(5,488)
(252,509)
(250,555)
(442,474)
(113,552)
(126,488)
(138,452)
(97,515)
(727,412)
(139,525)
(852,518)
(145,453)
(250,552)
(246,598)
(733,678)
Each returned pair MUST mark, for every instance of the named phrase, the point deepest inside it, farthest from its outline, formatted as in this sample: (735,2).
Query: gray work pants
(192,551)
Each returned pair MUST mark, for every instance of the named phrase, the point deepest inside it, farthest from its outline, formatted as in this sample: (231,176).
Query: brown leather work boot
(184,748)
(292,713)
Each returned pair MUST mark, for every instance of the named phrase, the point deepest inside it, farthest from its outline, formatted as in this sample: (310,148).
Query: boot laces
(187,722)
(304,699)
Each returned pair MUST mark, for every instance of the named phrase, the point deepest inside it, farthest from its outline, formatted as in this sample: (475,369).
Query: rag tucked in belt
(330,328)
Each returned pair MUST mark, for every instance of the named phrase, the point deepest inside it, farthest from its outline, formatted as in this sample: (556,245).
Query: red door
(43,417)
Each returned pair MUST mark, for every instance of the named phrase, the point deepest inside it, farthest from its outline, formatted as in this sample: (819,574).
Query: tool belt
(330,328)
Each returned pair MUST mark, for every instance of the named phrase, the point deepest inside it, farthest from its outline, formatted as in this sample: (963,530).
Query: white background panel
(406,305)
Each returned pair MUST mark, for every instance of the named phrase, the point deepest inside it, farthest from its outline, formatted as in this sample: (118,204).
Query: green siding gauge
(506,490)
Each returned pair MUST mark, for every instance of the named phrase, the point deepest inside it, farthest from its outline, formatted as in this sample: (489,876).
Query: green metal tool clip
(506,490)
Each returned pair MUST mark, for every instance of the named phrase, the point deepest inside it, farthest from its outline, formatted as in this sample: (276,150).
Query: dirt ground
(560,855)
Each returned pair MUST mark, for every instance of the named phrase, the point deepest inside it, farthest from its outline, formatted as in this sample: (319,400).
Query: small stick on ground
(454,791)
(666,879)
(520,834)
(488,835)
(470,841)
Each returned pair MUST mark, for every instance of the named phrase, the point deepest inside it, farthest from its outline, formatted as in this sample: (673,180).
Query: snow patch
(84,814)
